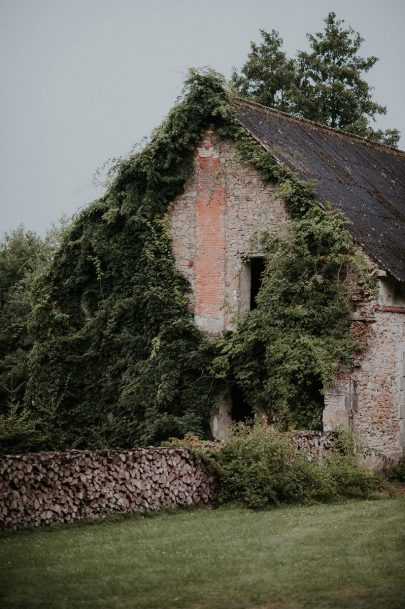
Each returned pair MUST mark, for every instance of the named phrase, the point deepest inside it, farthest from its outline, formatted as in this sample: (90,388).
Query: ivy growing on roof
(117,358)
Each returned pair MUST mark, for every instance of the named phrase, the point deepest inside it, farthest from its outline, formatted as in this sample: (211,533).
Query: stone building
(216,227)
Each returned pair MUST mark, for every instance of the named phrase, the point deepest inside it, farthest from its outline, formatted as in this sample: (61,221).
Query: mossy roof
(365,180)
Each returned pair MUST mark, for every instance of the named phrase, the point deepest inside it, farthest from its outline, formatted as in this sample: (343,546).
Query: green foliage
(198,447)
(20,431)
(293,344)
(116,348)
(324,84)
(267,76)
(193,443)
(397,473)
(331,89)
(259,467)
(22,256)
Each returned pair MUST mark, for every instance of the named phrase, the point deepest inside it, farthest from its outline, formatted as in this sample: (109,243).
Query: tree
(20,254)
(324,84)
(330,87)
(23,258)
(267,76)
(23,254)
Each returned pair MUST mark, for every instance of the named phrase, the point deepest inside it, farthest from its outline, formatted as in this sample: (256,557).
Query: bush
(397,473)
(258,466)
(20,431)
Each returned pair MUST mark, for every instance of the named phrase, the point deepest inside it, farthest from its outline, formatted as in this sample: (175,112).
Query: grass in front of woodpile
(338,556)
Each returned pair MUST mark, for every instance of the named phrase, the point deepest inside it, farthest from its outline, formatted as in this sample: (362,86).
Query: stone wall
(44,488)
(216,226)
(369,398)
(378,405)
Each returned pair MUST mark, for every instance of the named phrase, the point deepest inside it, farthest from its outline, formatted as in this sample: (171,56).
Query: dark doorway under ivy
(241,410)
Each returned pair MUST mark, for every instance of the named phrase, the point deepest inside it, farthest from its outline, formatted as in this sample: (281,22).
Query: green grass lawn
(347,555)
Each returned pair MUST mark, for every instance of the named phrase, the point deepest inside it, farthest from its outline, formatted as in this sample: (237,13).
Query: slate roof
(363,179)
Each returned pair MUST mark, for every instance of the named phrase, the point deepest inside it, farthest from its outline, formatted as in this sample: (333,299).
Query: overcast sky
(84,80)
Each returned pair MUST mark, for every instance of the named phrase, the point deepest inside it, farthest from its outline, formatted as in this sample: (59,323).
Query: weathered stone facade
(216,227)
(369,399)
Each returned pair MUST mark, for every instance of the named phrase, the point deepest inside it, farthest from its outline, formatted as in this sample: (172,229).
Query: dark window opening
(309,415)
(256,275)
(241,410)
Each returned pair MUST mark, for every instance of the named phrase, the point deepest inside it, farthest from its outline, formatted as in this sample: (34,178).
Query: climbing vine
(117,353)
(117,356)
(288,349)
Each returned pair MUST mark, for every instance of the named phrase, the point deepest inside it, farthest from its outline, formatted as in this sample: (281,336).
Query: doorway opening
(256,276)
(241,411)
(312,404)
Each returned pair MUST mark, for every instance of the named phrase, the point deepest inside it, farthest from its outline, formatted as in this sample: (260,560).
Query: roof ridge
(318,126)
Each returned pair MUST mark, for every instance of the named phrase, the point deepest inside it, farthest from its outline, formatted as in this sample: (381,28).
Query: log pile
(43,488)
(315,442)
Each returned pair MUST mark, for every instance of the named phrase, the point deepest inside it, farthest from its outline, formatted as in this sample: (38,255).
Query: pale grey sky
(84,80)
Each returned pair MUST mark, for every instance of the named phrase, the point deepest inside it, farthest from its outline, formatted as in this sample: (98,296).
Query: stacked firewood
(43,488)
(316,443)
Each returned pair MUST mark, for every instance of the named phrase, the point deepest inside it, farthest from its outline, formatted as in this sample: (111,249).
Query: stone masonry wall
(216,225)
(369,399)
(379,393)
(44,488)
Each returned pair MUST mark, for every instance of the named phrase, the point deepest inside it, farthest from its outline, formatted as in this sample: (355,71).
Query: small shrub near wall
(397,473)
(259,467)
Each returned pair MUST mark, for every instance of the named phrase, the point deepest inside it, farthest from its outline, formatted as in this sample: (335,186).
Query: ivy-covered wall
(118,359)
(227,217)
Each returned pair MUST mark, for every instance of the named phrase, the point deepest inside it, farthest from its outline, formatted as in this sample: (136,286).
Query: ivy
(291,347)
(116,349)
(117,355)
